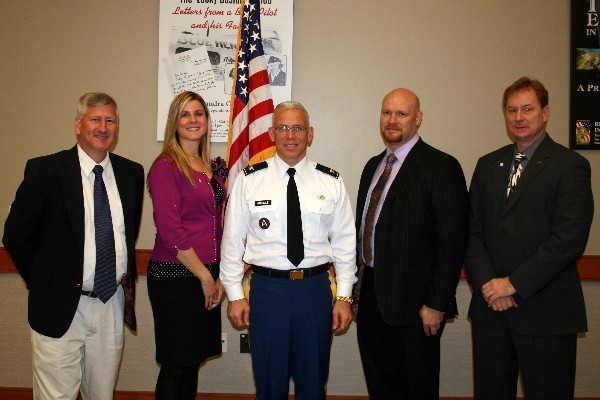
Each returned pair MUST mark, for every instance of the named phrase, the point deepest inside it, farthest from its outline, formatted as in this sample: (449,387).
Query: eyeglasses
(286,129)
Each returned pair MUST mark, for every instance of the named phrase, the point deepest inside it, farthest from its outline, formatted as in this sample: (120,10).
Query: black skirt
(185,332)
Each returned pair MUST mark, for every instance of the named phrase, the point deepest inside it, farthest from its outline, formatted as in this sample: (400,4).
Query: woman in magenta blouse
(188,193)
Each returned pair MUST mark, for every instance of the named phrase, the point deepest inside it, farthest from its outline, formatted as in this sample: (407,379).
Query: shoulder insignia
(328,171)
(255,167)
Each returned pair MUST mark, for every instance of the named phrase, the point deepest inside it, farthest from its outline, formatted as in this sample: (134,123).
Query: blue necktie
(105,278)
(295,242)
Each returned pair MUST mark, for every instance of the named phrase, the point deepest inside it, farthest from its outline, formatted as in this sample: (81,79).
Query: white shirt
(256,224)
(116,212)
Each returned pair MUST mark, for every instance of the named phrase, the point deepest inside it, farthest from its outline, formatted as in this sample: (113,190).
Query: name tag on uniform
(262,203)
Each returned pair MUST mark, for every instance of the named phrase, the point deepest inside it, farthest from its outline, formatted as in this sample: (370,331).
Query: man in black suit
(531,211)
(411,243)
(76,321)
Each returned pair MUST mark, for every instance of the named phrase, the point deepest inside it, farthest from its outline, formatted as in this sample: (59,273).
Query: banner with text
(197,42)
(584,125)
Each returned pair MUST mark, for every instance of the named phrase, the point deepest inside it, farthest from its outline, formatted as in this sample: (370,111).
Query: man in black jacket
(76,314)
(412,220)
(531,211)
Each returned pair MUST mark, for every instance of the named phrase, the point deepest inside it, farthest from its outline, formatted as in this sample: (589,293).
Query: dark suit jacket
(534,238)
(420,236)
(44,234)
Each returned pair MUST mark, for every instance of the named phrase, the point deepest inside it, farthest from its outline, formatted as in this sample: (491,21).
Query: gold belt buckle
(296,274)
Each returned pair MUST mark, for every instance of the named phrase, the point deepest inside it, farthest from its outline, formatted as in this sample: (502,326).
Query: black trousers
(547,364)
(399,362)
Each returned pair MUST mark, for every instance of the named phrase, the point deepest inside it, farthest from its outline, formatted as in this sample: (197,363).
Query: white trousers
(86,357)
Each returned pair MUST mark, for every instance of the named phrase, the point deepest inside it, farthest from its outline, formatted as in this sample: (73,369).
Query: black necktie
(105,281)
(295,244)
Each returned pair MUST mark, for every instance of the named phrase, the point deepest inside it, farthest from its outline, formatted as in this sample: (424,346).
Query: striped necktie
(515,173)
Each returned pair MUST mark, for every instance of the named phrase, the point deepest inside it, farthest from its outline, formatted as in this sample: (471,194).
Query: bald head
(407,94)
(400,117)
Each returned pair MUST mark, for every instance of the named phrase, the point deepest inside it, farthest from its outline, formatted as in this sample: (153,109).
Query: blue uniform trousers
(290,336)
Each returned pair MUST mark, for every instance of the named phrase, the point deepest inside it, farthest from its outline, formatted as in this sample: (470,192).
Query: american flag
(251,101)
(583,131)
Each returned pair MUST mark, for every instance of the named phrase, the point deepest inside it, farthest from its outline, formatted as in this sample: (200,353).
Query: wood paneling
(589,266)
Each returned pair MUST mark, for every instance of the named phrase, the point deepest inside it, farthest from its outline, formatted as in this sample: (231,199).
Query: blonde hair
(171,145)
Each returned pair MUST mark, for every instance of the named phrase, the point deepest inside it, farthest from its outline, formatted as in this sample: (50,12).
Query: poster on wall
(197,44)
(584,124)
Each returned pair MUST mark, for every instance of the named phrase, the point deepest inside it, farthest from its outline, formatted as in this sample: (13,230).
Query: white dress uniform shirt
(256,224)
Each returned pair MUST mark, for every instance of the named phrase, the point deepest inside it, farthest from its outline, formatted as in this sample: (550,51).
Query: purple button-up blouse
(185,216)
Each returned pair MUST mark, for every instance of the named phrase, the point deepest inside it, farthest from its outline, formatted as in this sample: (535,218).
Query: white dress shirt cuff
(344,289)
(235,292)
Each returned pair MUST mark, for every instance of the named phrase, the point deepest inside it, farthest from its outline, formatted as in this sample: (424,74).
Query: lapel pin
(502,164)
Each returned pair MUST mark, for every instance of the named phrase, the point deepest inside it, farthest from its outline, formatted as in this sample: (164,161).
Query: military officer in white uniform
(290,313)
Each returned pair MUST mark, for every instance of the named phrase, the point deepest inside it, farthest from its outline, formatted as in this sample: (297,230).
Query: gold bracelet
(347,299)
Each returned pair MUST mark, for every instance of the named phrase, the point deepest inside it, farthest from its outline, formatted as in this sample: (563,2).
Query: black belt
(91,293)
(293,274)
